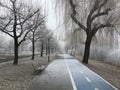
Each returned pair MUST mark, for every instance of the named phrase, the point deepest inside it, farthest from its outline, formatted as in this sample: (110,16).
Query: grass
(5,58)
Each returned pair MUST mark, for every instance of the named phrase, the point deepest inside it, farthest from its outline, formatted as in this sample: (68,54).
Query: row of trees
(21,22)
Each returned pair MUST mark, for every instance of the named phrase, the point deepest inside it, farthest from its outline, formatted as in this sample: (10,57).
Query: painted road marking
(103,79)
(72,80)
(96,89)
(81,72)
(87,79)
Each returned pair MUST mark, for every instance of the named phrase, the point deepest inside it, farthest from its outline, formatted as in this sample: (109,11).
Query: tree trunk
(87,50)
(15,40)
(42,49)
(33,50)
(49,46)
(15,51)
(46,49)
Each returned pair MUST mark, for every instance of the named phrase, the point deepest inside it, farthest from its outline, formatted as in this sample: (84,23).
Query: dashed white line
(103,79)
(72,80)
(81,72)
(87,79)
(96,89)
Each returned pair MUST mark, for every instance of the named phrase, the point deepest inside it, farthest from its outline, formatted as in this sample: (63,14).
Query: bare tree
(37,21)
(91,26)
(43,41)
(15,23)
(41,45)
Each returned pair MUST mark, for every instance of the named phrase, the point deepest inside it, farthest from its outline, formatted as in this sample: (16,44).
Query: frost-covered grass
(4,58)
(18,77)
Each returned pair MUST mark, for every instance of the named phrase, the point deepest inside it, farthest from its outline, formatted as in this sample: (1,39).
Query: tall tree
(37,21)
(15,22)
(91,26)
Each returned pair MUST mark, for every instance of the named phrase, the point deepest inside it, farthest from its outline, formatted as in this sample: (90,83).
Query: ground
(18,77)
(109,72)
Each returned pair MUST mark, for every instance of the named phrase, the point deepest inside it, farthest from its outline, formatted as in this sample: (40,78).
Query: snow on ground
(18,77)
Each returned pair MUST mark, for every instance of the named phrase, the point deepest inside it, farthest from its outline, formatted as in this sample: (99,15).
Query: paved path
(55,77)
(69,74)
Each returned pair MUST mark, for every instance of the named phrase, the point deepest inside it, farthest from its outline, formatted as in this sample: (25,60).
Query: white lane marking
(103,79)
(87,79)
(73,83)
(96,89)
(71,78)
(81,72)
(100,77)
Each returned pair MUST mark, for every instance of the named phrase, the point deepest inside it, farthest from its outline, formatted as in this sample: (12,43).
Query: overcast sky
(47,8)
(53,18)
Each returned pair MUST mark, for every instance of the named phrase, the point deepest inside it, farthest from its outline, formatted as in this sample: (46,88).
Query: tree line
(23,22)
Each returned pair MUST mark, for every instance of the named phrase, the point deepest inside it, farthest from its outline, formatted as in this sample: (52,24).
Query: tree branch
(78,23)
(100,14)
(24,38)
(3,29)
(96,28)
(7,33)
(96,6)
(31,15)
(74,18)
(5,6)
(37,38)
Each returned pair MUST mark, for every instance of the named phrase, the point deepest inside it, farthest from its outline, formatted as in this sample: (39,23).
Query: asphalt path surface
(54,77)
(68,73)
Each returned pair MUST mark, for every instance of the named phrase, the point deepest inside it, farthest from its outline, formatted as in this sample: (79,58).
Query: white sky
(48,7)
